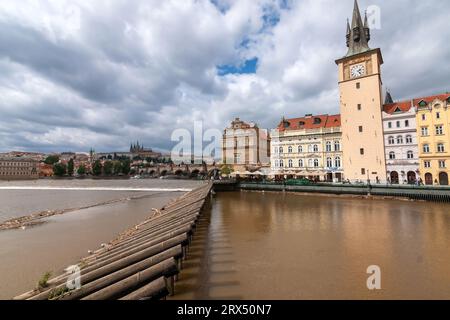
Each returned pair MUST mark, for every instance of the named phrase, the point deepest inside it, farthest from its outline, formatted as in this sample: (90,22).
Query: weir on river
(143,263)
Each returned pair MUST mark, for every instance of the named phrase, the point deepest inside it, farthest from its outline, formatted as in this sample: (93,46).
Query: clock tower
(361,105)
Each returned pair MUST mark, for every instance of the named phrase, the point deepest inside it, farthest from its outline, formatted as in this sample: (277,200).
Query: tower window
(358,85)
(360,129)
(361,151)
(363,171)
(359,107)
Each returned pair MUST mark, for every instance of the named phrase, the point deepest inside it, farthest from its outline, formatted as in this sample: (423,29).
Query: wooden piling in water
(142,263)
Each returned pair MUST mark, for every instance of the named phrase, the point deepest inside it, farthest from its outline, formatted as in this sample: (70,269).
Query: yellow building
(361,105)
(433,125)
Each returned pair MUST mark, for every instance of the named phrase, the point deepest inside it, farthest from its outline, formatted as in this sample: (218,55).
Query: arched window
(337,146)
(329,163)
(310,163)
(281,149)
(440,147)
(277,163)
(392,155)
(328,146)
(426,148)
(337,162)
(281,164)
(316,163)
(391,140)
(300,149)
(410,155)
(316,148)
(310,148)
(290,163)
(409,139)
(290,149)
(399,140)
(300,163)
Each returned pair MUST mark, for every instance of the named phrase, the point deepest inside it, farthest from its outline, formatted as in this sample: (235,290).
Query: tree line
(108,168)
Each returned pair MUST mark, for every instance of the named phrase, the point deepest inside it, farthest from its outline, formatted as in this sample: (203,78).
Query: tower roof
(358,41)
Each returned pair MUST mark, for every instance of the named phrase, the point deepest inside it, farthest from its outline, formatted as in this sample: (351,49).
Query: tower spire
(359,33)
(347,36)
(388,99)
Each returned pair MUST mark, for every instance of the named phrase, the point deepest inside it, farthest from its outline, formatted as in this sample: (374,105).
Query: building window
(277,163)
(438,115)
(363,171)
(392,155)
(359,107)
(398,124)
(409,139)
(300,163)
(399,140)
(300,149)
(426,148)
(358,85)
(410,155)
(440,147)
(281,164)
(439,130)
(316,148)
(360,129)
(290,163)
(427,164)
(310,148)
(424,131)
(310,162)
(329,163)
(442,164)
(424,117)
(328,146)
(406,123)
(316,163)
(389,125)
(361,151)
(290,149)
(281,149)
(391,140)
(337,162)
(337,146)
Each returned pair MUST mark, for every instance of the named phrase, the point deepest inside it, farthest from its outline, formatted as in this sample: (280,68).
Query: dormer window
(301,123)
(317,120)
(397,110)
(286,124)
(422,103)
(448,100)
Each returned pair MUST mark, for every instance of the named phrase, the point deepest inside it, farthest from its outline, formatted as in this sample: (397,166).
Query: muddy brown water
(288,246)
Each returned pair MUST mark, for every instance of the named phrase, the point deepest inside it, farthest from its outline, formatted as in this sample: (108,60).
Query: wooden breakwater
(142,264)
(425,193)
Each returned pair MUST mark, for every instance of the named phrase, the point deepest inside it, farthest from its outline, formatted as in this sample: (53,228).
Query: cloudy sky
(79,74)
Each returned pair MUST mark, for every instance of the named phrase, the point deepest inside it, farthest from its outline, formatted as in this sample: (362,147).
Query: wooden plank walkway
(143,263)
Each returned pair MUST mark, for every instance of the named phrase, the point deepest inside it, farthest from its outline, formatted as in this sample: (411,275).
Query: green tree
(81,170)
(126,167)
(226,170)
(59,169)
(108,167)
(70,167)
(117,167)
(52,159)
(97,168)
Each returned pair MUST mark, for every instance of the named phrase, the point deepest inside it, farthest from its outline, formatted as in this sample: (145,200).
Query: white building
(308,147)
(401,142)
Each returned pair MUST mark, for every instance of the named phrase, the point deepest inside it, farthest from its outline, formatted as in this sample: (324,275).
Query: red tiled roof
(403,106)
(311,122)
(430,99)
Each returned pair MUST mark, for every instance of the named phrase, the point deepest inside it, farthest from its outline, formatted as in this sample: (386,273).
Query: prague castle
(371,140)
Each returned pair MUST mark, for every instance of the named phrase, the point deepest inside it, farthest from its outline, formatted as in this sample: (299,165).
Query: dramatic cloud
(78,74)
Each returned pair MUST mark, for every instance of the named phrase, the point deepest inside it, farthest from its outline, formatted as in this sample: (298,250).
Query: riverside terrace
(426,193)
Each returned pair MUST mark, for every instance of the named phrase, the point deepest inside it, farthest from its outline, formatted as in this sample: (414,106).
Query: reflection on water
(288,246)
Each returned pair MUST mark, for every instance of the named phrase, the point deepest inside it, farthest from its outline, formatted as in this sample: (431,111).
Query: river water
(25,255)
(290,246)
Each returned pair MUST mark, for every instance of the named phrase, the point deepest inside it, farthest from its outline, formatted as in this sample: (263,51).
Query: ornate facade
(308,147)
(18,169)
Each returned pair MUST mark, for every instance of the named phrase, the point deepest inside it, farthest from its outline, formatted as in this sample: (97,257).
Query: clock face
(357,71)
